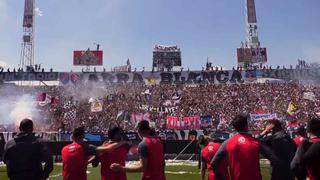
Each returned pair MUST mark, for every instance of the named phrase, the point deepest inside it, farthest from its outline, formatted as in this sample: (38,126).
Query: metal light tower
(251,53)
(27,45)
(252,28)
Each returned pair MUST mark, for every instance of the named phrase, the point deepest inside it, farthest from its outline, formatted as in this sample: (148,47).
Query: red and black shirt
(242,152)
(152,149)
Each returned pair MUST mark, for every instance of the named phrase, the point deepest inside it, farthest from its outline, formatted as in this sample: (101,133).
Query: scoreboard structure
(88,58)
(166,57)
(253,55)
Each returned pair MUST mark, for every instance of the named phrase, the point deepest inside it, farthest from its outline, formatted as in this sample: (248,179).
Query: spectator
(117,156)
(207,154)
(282,146)
(301,134)
(202,142)
(75,156)
(308,155)
(24,154)
(242,153)
(151,152)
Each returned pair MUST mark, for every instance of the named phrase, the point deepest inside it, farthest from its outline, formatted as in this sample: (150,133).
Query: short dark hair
(277,125)
(301,131)
(240,122)
(112,132)
(78,132)
(314,126)
(143,126)
(26,125)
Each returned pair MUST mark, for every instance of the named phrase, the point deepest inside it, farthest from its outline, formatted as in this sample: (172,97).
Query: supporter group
(115,109)
(126,104)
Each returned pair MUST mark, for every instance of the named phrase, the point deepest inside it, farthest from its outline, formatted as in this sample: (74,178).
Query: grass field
(177,172)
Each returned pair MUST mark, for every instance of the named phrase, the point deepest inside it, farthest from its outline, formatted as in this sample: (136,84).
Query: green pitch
(182,172)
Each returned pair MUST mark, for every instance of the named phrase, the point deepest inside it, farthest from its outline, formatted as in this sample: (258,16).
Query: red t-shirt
(119,156)
(313,170)
(75,159)
(242,153)
(207,154)
(244,157)
(298,140)
(152,149)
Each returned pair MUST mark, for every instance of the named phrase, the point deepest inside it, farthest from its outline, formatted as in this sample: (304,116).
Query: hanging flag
(68,104)
(292,109)
(41,96)
(96,106)
(54,101)
(309,96)
(121,115)
(70,115)
(44,99)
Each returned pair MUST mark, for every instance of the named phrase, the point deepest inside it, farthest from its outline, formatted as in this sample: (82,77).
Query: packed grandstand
(92,100)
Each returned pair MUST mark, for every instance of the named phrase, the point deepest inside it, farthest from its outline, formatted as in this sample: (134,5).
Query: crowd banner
(96,106)
(137,117)
(29,76)
(152,78)
(205,121)
(259,117)
(183,123)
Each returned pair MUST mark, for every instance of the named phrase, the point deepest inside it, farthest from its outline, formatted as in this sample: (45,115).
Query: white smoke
(24,107)
(38,12)
(15,106)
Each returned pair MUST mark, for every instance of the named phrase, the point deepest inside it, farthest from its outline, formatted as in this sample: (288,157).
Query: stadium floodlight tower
(27,45)
(250,53)
(252,27)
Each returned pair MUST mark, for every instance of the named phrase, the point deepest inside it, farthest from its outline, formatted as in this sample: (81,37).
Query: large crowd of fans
(120,102)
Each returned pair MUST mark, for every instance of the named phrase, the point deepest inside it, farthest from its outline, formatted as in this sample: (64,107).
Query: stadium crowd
(125,104)
(121,102)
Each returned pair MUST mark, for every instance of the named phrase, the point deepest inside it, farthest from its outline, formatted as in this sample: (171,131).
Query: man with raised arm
(75,156)
(242,152)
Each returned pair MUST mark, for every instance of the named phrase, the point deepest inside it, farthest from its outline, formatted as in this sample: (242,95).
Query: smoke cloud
(38,12)
(15,106)
(24,107)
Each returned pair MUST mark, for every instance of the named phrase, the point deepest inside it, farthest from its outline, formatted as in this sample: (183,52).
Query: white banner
(259,117)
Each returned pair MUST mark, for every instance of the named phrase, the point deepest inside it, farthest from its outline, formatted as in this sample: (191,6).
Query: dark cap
(26,125)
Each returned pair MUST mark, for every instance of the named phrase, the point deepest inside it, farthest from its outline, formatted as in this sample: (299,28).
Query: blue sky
(290,29)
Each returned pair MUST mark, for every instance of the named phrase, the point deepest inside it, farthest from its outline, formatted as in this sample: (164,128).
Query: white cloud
(38,12)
